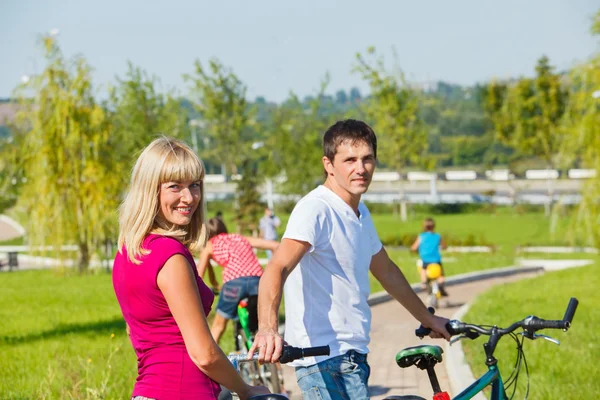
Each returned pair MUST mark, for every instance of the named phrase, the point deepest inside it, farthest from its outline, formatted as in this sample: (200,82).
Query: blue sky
(280,46)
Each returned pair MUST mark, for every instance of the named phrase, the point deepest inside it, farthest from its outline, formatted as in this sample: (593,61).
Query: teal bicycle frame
(492,376)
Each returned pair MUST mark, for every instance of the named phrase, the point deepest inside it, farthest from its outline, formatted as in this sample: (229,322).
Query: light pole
(193,124)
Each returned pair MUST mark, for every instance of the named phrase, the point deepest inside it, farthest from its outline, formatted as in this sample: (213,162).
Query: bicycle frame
(493,377)
(244,317)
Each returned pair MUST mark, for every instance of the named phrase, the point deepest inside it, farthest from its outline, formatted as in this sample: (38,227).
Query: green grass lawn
(62,335)
(568,371)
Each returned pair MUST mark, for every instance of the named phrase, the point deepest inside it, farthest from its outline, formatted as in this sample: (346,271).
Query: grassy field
(567,371)
(62,335)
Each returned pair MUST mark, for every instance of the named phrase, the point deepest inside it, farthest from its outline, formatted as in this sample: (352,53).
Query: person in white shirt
(329,247)
(268,228)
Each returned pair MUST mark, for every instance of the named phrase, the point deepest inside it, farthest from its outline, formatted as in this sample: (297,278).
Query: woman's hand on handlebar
(269,344)
(253,391)
(437,326)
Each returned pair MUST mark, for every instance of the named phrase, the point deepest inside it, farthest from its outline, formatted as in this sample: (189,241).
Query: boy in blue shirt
(428,244)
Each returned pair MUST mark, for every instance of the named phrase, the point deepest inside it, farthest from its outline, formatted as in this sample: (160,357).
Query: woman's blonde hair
(164,160)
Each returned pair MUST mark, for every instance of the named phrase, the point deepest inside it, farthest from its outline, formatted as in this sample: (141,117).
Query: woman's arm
(262,243)
(178,284)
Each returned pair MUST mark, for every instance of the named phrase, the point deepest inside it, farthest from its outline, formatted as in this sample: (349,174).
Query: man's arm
(394,282)
(267,340)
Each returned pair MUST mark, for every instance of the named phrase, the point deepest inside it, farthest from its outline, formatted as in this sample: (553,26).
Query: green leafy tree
(293,142)
(528,114)
(65,155)
(393,109)
(249,207)
(582,127)
(141,112)
(219,97)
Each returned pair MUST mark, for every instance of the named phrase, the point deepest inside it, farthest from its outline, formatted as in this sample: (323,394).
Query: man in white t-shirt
(329,247)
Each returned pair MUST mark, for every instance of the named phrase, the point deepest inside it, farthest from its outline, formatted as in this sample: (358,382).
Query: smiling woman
(163,300)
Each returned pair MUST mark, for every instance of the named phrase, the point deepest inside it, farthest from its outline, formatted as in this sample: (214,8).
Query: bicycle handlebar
(530,324)
(288,354)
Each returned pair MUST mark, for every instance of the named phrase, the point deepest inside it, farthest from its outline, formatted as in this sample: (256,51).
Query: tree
(582,144)
(528,115)
(141,112)
(293,142)
(71,180)
(220,98)
(393,109)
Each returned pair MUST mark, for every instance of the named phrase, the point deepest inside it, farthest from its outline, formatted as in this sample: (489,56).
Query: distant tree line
(66,157)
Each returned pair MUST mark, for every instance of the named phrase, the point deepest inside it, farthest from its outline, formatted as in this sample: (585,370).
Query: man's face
(352,168)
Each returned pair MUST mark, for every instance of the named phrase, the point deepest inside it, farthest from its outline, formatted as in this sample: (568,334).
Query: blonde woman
(162,298)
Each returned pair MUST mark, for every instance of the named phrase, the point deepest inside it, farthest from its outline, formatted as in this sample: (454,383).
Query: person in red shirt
(241,269)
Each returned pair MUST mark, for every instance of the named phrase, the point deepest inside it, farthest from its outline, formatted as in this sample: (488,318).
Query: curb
(458,370)
(383,296)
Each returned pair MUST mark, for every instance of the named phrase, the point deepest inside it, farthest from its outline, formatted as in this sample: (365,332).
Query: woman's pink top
(165,370)
(235,254)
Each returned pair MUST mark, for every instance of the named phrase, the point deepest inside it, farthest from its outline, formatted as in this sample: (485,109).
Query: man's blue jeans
(343,377)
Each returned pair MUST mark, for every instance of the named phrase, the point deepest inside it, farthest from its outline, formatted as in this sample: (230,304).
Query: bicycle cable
(514,376)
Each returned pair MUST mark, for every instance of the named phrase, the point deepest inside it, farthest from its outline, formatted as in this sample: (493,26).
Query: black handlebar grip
(571,308)
(315,351)
(421,331)
(556,324)
(290,353)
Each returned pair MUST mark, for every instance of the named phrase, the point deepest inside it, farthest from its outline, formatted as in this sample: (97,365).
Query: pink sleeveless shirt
(165,370)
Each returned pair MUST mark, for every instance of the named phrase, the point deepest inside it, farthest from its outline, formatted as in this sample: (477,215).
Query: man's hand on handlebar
(437,326)
(269,345)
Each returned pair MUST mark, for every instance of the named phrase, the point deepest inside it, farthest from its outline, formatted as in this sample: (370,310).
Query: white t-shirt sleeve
(307,223)
(376,245)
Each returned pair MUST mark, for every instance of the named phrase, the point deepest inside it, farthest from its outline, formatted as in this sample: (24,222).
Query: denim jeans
(343,377)
(234,291)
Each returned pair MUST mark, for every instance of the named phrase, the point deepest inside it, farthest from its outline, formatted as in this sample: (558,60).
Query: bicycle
(267,375)
(427,356)
(434,292)
(288,354)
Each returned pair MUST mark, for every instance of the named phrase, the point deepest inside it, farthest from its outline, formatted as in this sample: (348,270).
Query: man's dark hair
(348,129)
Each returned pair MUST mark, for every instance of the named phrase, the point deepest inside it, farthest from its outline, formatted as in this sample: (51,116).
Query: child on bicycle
(428,244)
(241,269)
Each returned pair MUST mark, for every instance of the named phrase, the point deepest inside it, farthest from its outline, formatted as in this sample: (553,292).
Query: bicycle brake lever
(456,339)
(540,336)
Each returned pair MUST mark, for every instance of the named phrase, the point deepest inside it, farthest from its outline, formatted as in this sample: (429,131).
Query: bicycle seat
(423,356)
(268,397)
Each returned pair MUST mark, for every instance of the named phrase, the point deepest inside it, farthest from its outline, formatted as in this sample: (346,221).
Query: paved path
(392,330)
(9,229)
